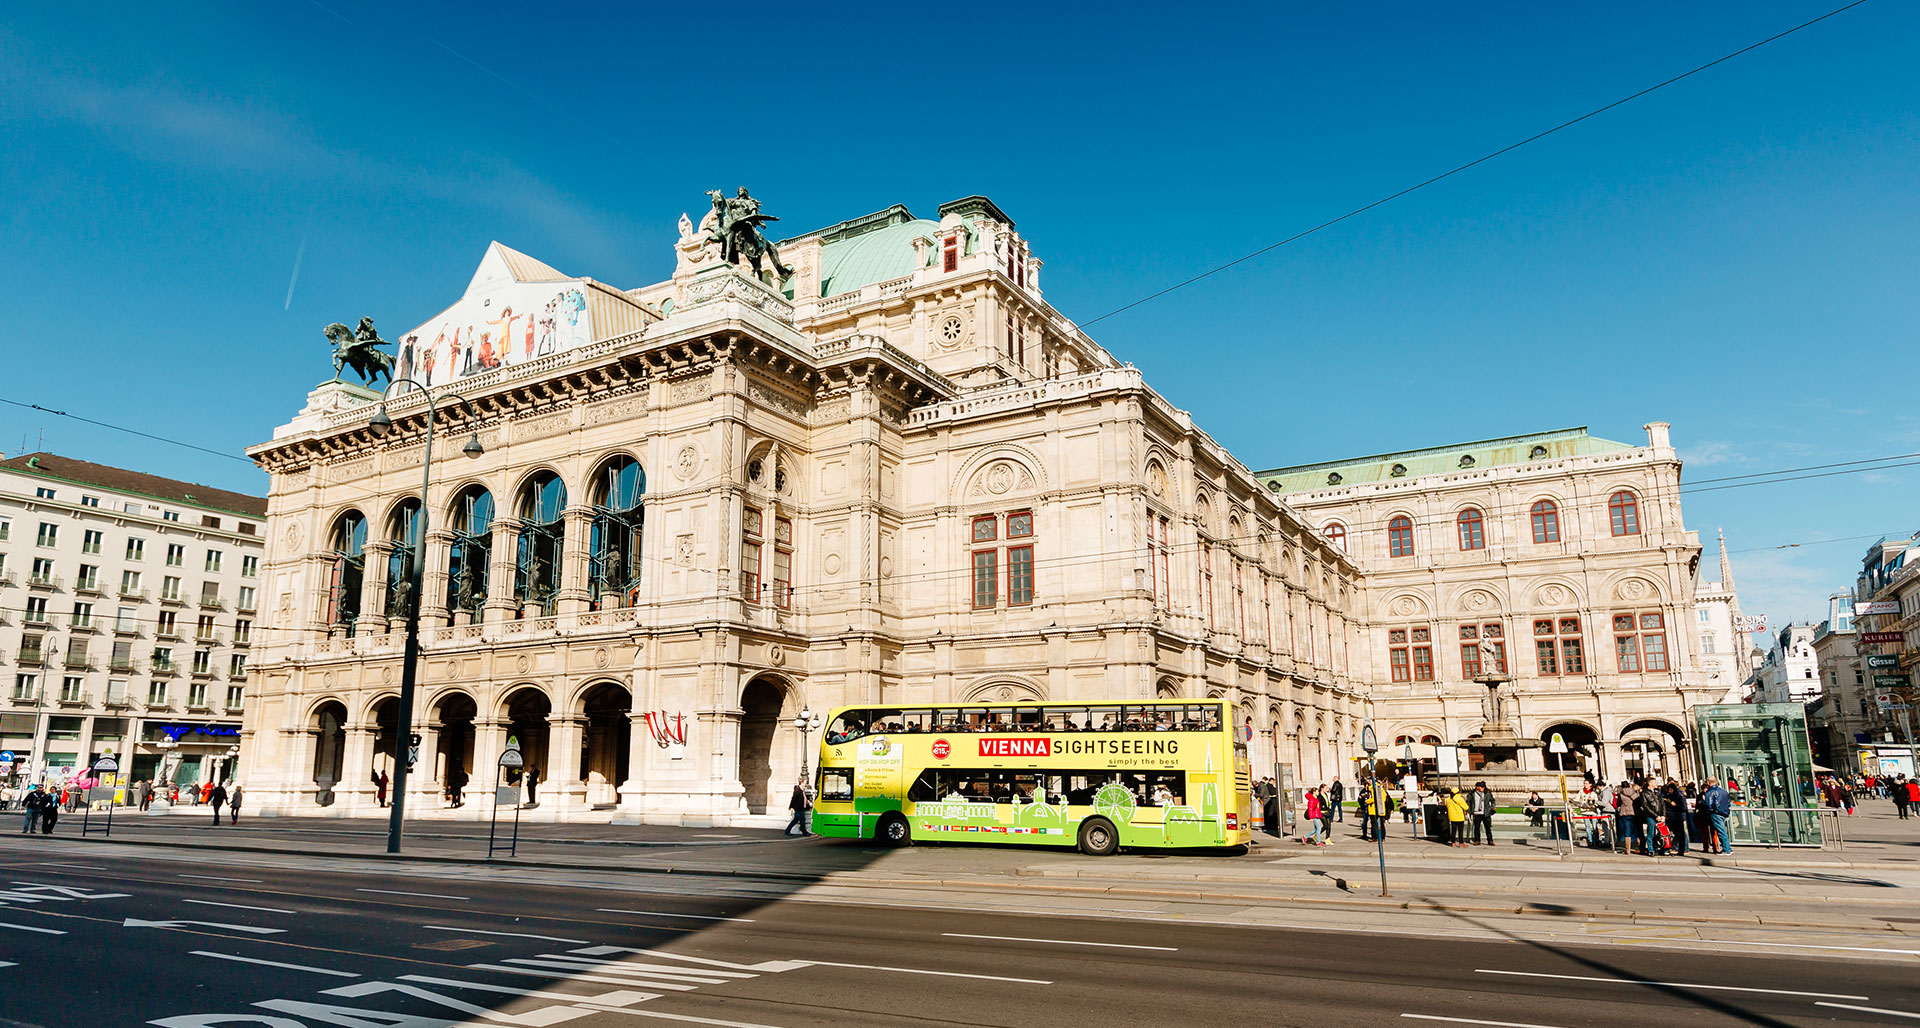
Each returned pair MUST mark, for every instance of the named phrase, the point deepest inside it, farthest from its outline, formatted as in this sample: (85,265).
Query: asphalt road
(90,938)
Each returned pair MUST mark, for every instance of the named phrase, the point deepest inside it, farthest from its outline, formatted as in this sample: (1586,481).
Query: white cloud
(1708,454)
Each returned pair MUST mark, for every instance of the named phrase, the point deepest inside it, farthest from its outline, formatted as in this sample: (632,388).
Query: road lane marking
(1673,985)
(618,998)
(210,878)
(651,980)
(1802,945)
(662,913)
(57,863)
(134,922)
(240,906)
(542,972)
(943,974)
(1060,942)
(509,935)
(31,928)
(1475,1020)
(274,963)
(428,895)
(1872,1010)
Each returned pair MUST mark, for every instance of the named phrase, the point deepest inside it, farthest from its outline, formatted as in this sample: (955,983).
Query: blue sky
(1734,254)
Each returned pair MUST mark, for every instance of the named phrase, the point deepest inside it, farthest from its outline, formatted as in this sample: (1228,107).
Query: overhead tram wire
(1357,211)
(129,431)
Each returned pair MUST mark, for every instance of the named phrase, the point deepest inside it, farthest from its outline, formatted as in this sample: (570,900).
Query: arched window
(1624,511)
(402,530)
(536,580)
(1336,534)
(1400,537)
(1546,522)
(349,545)
(614,571)
(1473,530)
(471,552)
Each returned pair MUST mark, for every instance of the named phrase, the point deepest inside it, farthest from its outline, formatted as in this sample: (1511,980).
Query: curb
(841,879)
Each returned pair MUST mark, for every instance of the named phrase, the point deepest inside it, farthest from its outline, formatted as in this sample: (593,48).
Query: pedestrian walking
(798,804)
(1329,810)
(1456,816)
(1913,792)
(49,815)
(1338,794)
(1675,800)
(1480,805)
(1310,835)
(233,806)
(1626,804)
(1719,806)
(35,804)
(146,795)
(1899,794)
(1650,809)
(457,786)
(533,786)
(217,795)
(1378,807)
(380,787)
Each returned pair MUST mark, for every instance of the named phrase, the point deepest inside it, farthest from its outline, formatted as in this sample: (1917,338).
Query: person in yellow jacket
(1457,816)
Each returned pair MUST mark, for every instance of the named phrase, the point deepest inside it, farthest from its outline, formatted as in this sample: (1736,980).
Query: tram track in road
(699,897)
(875,964)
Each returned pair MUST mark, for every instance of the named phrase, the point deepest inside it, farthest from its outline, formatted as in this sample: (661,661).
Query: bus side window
(836,783)
(1104,719)
(926,788)
(848,727)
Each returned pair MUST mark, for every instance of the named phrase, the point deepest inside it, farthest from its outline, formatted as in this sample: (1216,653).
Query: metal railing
(1767,827)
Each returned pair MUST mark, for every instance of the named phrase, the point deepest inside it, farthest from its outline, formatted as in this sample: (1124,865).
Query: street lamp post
(381,425)
(1371,743)
(807,722)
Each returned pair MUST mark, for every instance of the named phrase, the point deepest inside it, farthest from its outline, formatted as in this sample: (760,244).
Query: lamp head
(380,425)
(473,447)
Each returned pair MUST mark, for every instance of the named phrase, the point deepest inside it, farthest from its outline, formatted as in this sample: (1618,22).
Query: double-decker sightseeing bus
(1168,773)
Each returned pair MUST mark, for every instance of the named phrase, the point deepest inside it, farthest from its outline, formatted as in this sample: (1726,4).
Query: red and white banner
(1863,608)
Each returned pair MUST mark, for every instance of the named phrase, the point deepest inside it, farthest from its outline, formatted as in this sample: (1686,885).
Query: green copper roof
(1487,453)
(874,256)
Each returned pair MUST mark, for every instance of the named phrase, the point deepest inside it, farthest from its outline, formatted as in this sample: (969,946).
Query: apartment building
(127,610)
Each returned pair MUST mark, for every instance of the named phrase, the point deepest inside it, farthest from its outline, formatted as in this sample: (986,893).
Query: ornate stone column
(639,743)
(373,590)
(354,792)
(433,589)
(501,606)
(489,738)
(564,789)
(577,526)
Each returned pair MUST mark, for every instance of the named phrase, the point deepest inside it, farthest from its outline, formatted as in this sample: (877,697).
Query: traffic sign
(510,757)
(106,765)
(413,756)
(413,739)
(6,756)
(1557,744)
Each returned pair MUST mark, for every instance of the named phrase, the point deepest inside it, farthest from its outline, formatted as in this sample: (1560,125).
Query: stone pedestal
(325,400)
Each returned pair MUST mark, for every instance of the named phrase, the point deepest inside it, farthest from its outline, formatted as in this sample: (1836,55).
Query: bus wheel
(1097,837)
(893,831)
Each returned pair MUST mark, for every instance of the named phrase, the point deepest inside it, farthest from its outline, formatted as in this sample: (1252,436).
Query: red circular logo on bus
(942,749)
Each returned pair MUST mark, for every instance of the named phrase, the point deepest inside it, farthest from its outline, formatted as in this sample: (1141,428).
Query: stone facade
(900,476)
(1570,547)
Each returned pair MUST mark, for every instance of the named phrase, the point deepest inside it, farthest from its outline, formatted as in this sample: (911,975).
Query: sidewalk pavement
(1873,885)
